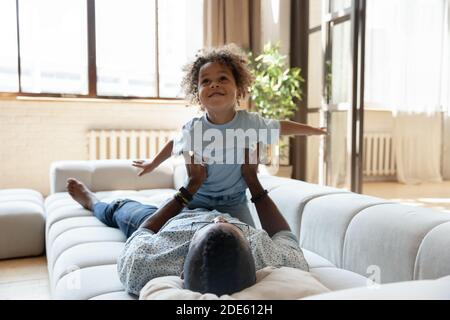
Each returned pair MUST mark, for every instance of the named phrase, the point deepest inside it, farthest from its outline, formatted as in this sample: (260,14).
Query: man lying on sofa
(215,252)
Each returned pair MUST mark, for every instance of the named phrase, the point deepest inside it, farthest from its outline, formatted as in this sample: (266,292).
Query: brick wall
(33,134)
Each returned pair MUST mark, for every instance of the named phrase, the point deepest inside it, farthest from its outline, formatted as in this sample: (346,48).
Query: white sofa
(346,237)
(22,223)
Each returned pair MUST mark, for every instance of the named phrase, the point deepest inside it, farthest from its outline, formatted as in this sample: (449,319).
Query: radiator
(127,144)
(379,156)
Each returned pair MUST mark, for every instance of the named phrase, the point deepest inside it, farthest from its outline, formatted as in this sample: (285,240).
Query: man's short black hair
(221,264)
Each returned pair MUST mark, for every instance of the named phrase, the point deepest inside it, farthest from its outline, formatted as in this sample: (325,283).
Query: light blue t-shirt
(222,147)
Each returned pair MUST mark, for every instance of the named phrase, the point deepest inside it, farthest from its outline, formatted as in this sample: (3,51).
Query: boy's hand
(299,129)
(320,131)
(146,166)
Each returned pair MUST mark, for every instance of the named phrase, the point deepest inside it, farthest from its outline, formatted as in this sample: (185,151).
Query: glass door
(335,73)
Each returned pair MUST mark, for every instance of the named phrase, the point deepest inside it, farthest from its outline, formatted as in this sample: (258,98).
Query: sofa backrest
(105,175)
(376,238)
(387,242)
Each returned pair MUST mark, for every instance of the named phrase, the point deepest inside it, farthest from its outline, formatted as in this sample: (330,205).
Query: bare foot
(81,194)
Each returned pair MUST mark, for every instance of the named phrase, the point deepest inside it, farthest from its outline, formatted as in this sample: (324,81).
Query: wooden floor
(24,279)
(28,278)
(429,195)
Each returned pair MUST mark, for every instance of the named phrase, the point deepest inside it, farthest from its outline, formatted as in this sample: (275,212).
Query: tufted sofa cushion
(22,222)
(81,251)
(106,175)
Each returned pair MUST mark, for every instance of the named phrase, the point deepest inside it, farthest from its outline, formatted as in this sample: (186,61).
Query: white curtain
(404,56)
(406,72)
(445,93)
(446,99)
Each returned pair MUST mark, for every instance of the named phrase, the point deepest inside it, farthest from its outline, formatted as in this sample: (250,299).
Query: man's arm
(294,128)
(170,210)
(271,218)
(197,175)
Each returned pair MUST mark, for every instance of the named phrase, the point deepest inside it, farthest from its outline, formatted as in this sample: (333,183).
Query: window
(53,46)
(126,50)
(315,13)
(180,23)
(337,5)
(9,78)
(139,49)
(341,91)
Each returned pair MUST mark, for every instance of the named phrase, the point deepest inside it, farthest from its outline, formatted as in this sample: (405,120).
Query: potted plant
(274,90)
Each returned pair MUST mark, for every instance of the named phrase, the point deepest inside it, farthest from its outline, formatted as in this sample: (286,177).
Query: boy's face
(216,87)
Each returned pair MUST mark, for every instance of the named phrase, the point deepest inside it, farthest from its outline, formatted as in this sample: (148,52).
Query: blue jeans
(125,214)
(235,205)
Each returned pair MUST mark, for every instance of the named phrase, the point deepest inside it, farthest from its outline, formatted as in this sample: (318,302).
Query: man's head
(219,260)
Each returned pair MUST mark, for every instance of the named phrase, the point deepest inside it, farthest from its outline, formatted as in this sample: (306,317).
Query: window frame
(92,67)
(357,16)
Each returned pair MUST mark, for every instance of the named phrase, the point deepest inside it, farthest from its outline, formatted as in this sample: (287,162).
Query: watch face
(186,193)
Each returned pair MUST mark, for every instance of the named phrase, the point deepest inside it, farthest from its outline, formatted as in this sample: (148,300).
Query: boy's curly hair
(229,55)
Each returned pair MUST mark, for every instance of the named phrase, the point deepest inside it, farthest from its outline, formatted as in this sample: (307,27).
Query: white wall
(33,134)
(378,121)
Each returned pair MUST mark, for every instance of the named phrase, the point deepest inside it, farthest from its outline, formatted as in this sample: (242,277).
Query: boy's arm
(164,154)
(299,129)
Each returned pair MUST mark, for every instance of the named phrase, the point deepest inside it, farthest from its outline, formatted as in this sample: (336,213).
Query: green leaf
(276,86)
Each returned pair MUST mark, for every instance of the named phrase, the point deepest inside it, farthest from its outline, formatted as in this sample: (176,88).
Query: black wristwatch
(259,196)
(186,193)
